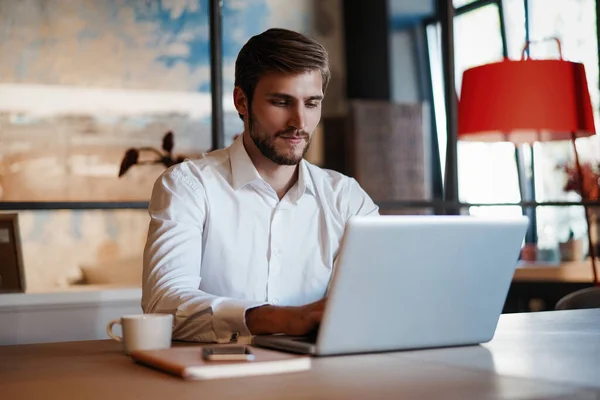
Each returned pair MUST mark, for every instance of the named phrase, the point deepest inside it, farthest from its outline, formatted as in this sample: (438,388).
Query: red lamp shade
(525,101)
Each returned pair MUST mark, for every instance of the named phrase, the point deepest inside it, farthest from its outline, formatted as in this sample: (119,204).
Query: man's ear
(240,101)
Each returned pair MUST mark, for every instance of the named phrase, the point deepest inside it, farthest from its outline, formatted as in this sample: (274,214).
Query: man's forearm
(267,319)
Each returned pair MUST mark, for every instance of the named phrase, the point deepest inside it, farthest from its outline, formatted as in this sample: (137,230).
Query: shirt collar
(244,172)
(305,183)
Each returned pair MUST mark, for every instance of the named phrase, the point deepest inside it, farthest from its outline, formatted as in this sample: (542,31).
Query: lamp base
(595,229)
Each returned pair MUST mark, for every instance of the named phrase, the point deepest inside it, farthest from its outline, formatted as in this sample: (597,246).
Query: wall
(62,317)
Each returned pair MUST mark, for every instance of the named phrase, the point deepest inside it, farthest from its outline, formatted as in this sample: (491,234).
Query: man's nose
(298,118)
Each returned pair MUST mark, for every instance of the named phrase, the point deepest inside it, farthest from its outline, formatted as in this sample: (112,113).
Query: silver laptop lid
(405,282)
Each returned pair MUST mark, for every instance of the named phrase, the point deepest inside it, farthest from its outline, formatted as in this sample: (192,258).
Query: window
(460,3)
(574,23)
(514,19)
(487,172)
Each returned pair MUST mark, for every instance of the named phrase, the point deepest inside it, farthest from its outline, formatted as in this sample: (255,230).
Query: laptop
(414,282)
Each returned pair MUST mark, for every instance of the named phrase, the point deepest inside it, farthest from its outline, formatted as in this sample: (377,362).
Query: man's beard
(268,148)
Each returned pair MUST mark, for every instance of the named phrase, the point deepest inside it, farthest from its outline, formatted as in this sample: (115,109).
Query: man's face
(284,114)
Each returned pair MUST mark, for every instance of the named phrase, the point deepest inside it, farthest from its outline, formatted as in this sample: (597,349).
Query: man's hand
(288,320)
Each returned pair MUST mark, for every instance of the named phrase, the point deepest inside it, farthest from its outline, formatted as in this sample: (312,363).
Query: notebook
(187,362)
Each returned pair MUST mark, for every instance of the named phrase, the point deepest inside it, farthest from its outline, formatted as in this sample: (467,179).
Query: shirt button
(274,301)
(276,252)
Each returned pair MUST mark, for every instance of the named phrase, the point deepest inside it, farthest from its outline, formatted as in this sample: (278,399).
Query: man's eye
(279,103)
(312,105)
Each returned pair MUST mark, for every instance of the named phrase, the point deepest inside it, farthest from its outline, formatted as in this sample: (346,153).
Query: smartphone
(227,353)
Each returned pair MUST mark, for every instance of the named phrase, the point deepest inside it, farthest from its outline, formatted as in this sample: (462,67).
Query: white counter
(75,313)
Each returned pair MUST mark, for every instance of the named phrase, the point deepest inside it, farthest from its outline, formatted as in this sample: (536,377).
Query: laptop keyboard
(305,339)
(312,338)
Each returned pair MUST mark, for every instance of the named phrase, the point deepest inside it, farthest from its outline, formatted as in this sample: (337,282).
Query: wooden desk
(539,286)
(536,355)
(571,271)
(554,346)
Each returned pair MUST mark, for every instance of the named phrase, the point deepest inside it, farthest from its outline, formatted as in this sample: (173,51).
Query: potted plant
(586,183)
(572,249)
(164,157)
(591,180)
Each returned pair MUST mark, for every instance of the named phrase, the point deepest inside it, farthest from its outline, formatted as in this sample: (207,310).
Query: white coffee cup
(143,331)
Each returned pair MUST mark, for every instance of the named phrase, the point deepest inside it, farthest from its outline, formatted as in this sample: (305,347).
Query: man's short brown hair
(279,50)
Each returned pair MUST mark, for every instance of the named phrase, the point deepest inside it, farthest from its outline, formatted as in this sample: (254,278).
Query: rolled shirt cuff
(229,318)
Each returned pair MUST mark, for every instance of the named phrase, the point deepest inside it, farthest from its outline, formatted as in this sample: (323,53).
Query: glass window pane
(514,20)
(497,211)
(477,40)
(574,23)
(460,3)
(486,171)
(437,82)
(81,83)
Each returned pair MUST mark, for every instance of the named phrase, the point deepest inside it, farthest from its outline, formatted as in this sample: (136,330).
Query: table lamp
(527,100)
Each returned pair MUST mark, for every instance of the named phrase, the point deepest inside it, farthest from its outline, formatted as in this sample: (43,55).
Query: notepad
(187,362)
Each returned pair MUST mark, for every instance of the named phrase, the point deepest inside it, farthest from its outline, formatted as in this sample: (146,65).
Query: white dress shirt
(220,241)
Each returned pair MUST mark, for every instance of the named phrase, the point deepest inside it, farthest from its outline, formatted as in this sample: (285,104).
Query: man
(244,240)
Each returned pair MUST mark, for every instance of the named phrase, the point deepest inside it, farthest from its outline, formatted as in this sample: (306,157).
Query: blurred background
(83,81)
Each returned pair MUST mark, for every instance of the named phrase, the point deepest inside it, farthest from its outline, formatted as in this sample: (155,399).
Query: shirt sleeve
(355,202)
(358,201)
(172,264)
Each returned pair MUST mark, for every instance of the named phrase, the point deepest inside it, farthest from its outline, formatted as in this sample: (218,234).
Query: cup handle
(110,332)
